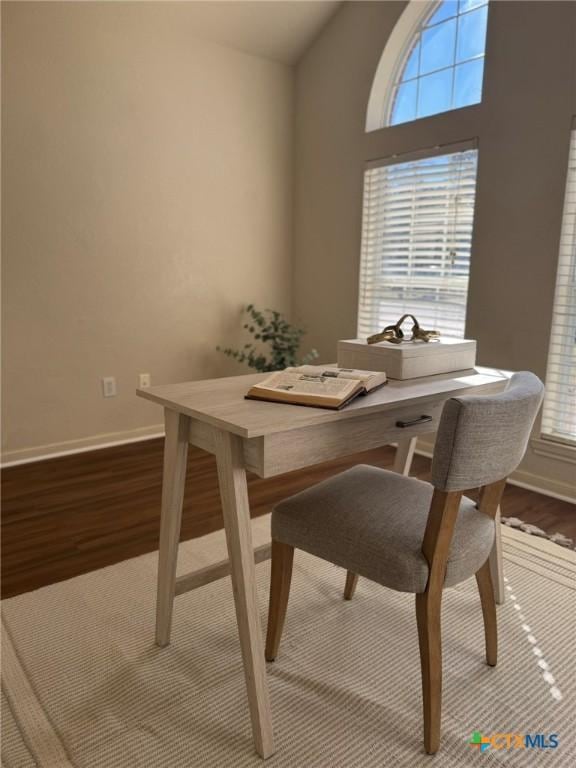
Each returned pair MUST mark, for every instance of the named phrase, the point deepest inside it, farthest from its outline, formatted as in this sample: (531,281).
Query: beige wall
(523,127)
(147,179)
(147,196)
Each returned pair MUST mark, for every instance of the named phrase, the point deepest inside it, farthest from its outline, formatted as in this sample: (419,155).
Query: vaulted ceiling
(275,29)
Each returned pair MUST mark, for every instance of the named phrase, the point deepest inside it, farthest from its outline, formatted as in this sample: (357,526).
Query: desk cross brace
(220,570)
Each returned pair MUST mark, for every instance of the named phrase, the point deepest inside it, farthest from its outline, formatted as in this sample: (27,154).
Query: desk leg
(174,477)
(236,510)
(402,465)
(404,455)
(496,563)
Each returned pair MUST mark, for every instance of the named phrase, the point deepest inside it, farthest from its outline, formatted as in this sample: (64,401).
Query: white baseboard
(537,483)
(544,485)
(82,445)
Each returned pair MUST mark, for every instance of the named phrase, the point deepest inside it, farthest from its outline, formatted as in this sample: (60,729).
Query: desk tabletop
(221,403)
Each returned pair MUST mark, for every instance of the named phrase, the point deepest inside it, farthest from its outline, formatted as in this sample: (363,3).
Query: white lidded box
(410,359)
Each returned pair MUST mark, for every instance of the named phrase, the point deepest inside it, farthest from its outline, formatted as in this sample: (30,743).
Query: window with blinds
(416,237)
(559,415)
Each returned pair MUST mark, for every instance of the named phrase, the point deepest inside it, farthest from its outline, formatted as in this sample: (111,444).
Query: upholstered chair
(414,536)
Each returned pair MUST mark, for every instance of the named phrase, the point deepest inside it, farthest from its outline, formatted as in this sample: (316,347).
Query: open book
(317,385)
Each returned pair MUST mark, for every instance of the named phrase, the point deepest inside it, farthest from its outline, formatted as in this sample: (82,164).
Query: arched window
(433,62)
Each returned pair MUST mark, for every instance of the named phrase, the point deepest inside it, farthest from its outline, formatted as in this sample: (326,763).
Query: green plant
(283,339)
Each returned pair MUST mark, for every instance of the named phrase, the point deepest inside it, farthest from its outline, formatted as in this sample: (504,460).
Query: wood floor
(69,515)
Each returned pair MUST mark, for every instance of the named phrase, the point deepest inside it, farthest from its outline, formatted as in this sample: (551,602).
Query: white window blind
(559,416)
(416,237)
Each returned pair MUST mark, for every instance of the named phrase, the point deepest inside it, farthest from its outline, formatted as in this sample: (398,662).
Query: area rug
(84,685)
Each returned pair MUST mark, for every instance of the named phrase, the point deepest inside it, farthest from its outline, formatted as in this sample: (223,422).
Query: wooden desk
(270,439)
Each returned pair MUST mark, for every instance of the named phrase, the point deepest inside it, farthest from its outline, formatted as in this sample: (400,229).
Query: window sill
(554,450)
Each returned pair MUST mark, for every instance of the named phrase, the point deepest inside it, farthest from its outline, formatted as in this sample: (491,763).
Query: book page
(295,382)
(368,378)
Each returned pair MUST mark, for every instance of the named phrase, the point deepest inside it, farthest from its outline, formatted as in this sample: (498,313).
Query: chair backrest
(482,439)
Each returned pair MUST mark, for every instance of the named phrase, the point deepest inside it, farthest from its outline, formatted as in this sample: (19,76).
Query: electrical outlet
(109,386)
(145,380)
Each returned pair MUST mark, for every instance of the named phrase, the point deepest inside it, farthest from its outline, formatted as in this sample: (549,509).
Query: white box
(408,360)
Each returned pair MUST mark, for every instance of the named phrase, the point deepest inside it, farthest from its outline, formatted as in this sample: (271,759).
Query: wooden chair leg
(487,598)
(282,558)
(428,606)
(350,586)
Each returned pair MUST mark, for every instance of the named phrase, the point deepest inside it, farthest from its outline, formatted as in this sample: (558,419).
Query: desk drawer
(297,448)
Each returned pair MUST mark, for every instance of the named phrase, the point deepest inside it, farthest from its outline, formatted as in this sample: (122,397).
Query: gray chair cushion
(372,522)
